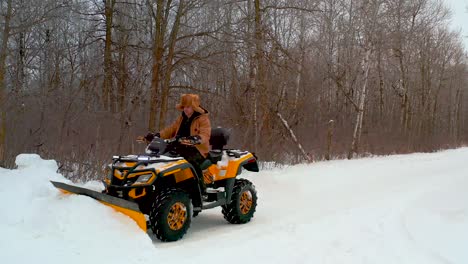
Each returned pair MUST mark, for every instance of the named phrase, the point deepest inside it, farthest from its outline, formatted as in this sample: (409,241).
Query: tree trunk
(123,75)
(169,59)
(300,65)
(3,55)
(293,136)
(107,87)
(20,62)
(329,139)
(259,72)
(125,117)
(360,113)
(381,83)
(252,76)
(458,113)
(158,50)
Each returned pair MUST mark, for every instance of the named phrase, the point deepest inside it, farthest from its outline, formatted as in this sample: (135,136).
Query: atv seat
(219,138)
(213,157)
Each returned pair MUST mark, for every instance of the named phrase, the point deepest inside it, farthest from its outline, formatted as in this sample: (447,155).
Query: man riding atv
(193,129)
(159,189)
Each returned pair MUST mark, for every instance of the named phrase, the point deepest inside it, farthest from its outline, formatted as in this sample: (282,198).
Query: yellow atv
(160,189)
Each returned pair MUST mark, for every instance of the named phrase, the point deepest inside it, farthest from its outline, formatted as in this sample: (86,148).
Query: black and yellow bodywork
(133,182)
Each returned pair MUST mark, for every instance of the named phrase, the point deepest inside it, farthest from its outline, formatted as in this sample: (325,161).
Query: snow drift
(40,224)
(396,209)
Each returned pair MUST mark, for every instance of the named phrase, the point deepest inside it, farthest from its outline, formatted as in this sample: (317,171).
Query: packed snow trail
(395,209)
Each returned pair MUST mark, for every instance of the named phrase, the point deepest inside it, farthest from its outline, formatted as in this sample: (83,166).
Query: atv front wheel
(243,203)
(170,214)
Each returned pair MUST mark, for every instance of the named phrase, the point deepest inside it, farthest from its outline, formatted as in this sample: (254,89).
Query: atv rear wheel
(170,214)
(243,203)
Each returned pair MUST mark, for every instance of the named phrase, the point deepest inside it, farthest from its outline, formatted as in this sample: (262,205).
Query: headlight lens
(143,178)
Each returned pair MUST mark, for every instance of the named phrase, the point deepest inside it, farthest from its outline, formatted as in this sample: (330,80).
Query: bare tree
(79,80)
(369,17)
(3,55)
(158,50)
(107,86)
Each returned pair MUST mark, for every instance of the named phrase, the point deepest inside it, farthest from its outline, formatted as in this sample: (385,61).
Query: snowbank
(40,224)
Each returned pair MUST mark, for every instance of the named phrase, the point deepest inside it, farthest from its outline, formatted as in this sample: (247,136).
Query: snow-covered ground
(396,209)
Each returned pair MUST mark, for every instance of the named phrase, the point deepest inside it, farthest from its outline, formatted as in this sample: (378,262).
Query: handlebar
(181,140)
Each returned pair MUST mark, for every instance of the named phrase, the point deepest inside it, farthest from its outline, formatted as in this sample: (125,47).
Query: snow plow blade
(126,207)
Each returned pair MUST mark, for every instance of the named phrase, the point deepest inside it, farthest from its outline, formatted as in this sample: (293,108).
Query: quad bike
(160,190)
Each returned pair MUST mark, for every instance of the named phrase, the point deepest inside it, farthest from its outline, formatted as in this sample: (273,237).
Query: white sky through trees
(459,19)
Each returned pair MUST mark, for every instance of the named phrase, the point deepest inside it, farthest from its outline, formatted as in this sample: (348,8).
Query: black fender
(190,185)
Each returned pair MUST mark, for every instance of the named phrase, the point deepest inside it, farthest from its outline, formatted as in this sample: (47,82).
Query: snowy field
(397,209)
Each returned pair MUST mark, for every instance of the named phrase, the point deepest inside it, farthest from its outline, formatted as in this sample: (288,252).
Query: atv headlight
(143,178)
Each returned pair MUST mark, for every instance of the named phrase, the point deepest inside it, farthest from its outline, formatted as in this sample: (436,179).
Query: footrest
(211,190)
(215,195)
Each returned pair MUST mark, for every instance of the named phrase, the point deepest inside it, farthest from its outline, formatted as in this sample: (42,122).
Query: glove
(149,137)
(191,140)
(196,140)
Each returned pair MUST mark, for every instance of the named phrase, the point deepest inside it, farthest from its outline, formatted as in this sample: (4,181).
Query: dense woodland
(293,80)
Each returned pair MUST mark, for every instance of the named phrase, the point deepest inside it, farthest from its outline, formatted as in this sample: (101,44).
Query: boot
(202,186)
